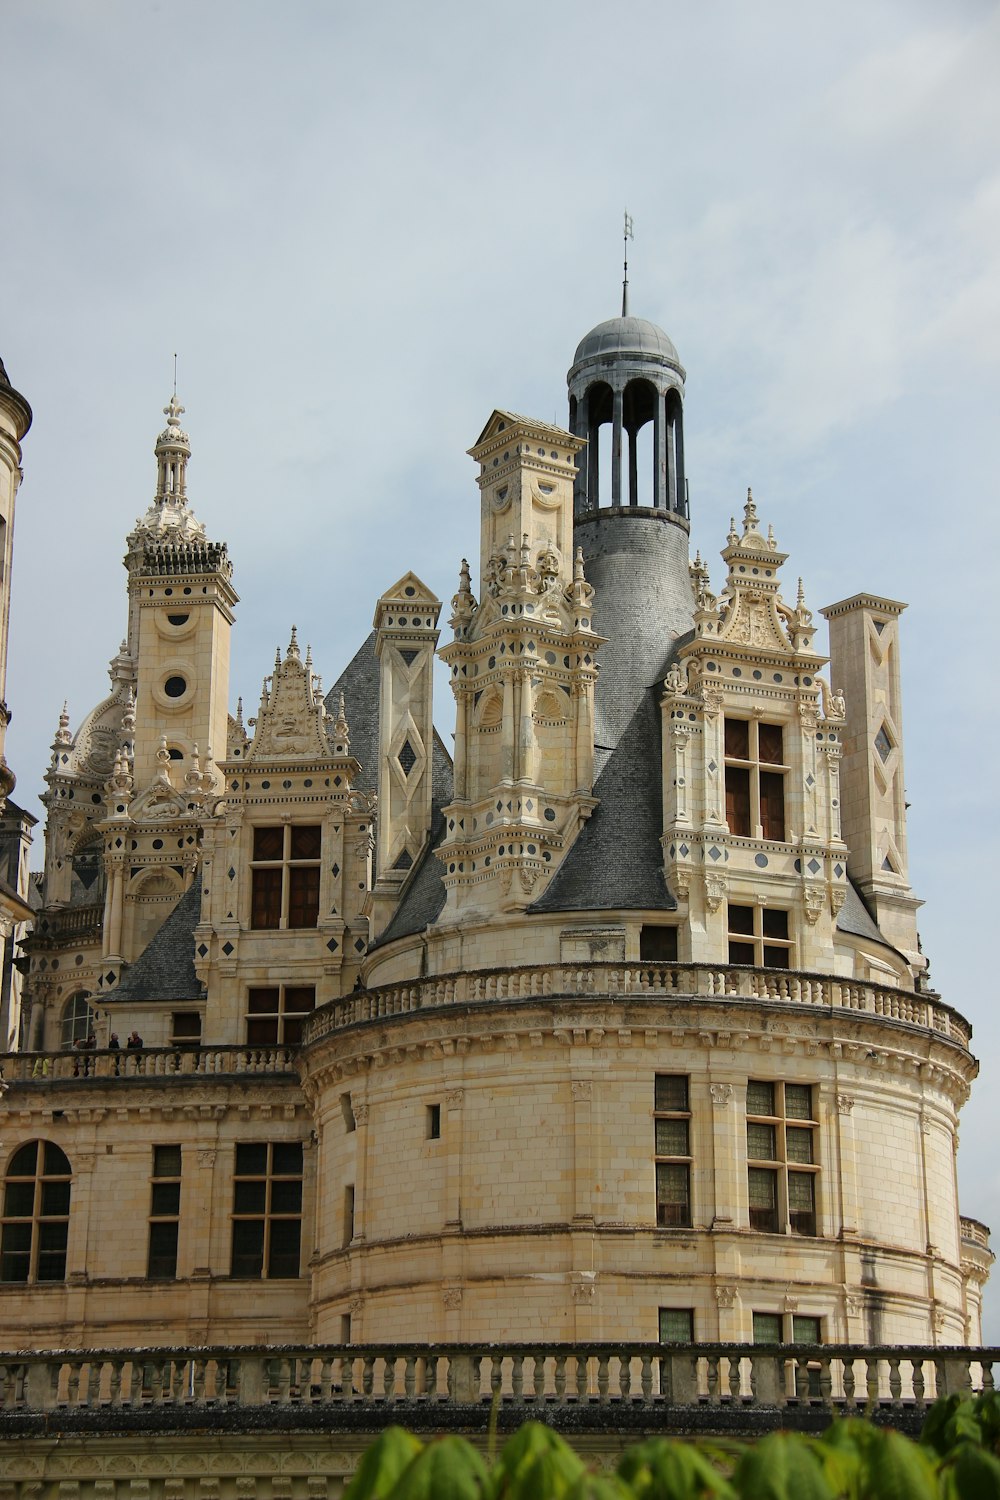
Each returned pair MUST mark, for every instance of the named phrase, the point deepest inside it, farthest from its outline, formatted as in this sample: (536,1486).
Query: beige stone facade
(611,1026)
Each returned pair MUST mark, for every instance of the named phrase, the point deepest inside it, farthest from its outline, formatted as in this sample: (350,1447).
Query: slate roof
(424,894)
(359,684)
(165,968)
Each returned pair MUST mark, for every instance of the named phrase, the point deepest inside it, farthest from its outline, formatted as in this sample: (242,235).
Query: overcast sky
(364,227)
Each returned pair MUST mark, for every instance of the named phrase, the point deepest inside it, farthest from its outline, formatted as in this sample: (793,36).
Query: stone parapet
(229,1062)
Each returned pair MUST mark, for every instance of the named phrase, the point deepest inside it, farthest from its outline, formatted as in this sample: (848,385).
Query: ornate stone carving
(452,1297)
(453,1098)
(721,1094)
(845,1104)
(360,1111)
(725,1296)
(716,886)
(582,1090)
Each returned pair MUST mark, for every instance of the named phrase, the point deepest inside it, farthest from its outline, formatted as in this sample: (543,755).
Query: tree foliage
(956,1458)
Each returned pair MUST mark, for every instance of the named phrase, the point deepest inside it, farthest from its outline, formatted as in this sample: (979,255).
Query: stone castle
(611,1025)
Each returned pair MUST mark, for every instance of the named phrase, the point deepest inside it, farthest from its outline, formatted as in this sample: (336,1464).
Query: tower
(15,419)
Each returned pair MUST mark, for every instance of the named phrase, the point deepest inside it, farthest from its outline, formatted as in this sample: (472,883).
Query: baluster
(581,1376)
(284,1380)
(735,1387)
(801,1378)
(431,1375)
(410,1377)
(325,1378)
(986,1368)
(713,1379)
(115,1382)
(368,1375)
(198,1381)
(624,1376)
(517,1377)
(560,1376)
(895,1383)
(871,1362)
(848,1377)
(496,1374)
(826,1381)
(539,1381)
(602,1378)
(918,1384)
(389,1377)
(73,1382)
(646,1377)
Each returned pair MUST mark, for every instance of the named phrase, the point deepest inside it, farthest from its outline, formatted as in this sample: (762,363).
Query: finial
(628,236)
(63,736)
(734,535)
(800,601)
(464,578)
(750,511)
(341,732)
(175,375)
(770,538)
(309,656)
(239,712)
(293,645)
(578,565)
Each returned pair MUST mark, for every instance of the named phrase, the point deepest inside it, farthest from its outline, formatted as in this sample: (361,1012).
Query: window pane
(56,1162)
(248,1247)
(672,1194)
(265,898)
(262,1002)
(284,1252)
(268,843)
(288,1159)
(52,1236)
(671,1091)
(760,1098)
(22,1163)
(658,944)
(19,1200)
(299,998)
(186,1026)
(250,1197)
(774,923)
(263,1033)
(676,1325)
(772,805)
(767,1328)
(776,958)
(162,1260)
(738,739)
(672,1138)
(251,1160)
(741,919)
(741,953)
(763,1187)
(55,1199)
(799,1144)
(286,1197)
(166,1198)
(306,843)
(805,1330)
(291,1031)
(303,895)
(166,1161)
(798,1101)
(738,801)
(761,1142)
(800,1191)
(769,743)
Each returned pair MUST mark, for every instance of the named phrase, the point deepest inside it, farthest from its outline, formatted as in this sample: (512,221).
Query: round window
(175,687)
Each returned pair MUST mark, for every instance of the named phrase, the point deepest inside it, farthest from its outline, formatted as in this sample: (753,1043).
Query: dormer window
(755,779)
(285,876)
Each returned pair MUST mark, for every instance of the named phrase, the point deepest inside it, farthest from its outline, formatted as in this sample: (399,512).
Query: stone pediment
(291,722)
(407,592)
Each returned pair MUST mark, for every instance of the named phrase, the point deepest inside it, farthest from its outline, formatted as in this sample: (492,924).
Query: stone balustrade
(555,1378)
(731,983)
(66,924)
(974,1233)
(144,1062)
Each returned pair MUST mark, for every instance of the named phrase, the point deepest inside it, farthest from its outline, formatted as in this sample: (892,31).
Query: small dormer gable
(291,723)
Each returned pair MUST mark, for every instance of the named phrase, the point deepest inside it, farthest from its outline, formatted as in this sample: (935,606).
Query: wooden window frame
(267,1212)
(287,1022)
(162,1217)
(277,903)
(764,779)
(786,1166)
(40,1219)
(770,949)
(672,1161)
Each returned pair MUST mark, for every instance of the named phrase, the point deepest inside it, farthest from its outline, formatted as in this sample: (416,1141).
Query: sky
(361,228)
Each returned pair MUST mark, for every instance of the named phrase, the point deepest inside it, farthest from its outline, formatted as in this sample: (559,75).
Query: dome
(626,336)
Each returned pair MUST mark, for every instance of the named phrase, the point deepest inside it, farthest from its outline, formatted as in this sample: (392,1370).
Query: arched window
(35,1214)
(77,1019)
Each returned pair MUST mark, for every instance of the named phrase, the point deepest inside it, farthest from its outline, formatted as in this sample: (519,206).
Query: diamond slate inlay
(685,851)
(360,945)
(333,945)
(813,865)
(202,950)
(810,779)
(228,948)
(335,871)
(838,870)
(714,853)
(232,873)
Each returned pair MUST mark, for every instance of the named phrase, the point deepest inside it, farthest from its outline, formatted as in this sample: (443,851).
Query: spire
(170,515)
(628,236)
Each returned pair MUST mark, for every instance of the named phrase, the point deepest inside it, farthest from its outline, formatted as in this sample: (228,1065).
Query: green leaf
(950,1419)
(665,1469)
(782,1466)
(448,1469)
(898,1469)
(595,1487)
(987,1411)
(536,1462)
(975,1474)
(382,1464)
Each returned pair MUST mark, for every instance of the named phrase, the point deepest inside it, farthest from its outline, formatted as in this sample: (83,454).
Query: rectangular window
(347,1110)
(433,1122)
(275,1014)
(657,944)
(348,1228)
(267,1210)
(164,1213)
(284,876)
(767,1328)
(185,1026)
(755,779)
(676,1325)
(781,1157)
(758,935)
(672,1149)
